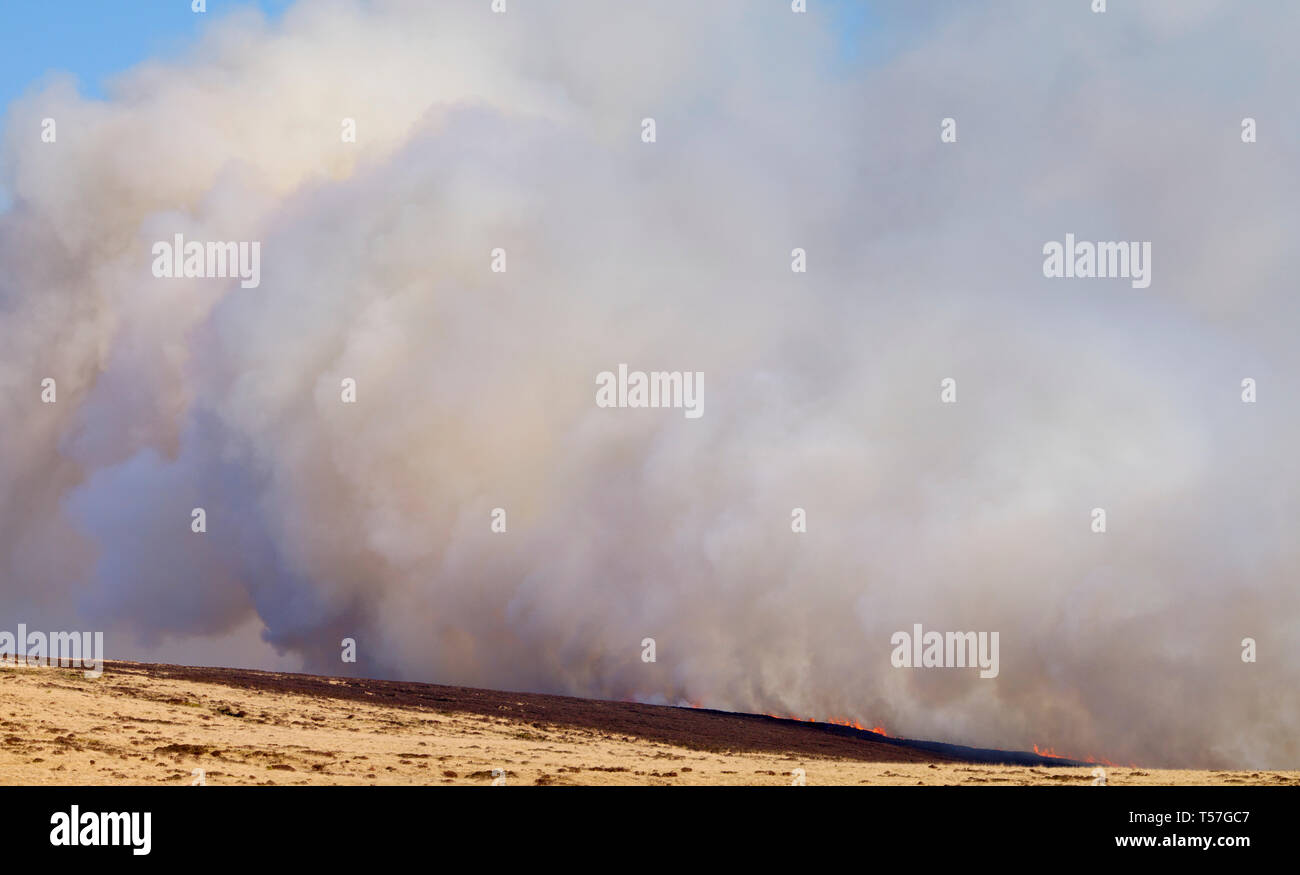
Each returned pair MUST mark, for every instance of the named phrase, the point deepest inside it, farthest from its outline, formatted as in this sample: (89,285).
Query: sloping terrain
(150,724)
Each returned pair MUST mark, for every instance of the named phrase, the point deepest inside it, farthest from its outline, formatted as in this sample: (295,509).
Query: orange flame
(878,730)
(1052,754)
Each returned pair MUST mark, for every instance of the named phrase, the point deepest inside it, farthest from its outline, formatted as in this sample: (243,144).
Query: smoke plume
(522,131)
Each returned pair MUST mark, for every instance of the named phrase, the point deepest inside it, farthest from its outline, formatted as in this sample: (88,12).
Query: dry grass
(136,725)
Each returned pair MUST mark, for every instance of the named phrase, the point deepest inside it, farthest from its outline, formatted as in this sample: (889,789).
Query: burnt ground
(695,728)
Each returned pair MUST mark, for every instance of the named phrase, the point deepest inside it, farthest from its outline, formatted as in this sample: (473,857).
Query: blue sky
(94,39)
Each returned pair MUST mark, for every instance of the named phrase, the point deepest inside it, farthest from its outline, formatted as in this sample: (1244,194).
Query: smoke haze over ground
(475,389)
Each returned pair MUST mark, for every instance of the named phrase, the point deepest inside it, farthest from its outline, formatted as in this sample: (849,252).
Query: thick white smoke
(475,389)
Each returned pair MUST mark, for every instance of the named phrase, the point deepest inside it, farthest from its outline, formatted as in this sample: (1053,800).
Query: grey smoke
(475,390)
